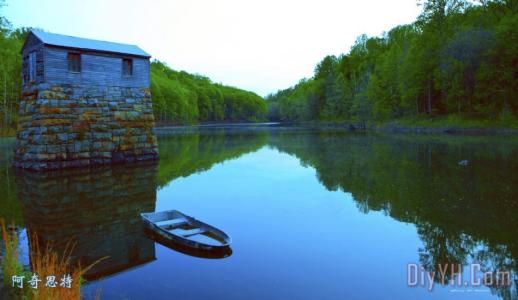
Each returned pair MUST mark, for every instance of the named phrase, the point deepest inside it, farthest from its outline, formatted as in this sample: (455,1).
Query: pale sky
(258,45)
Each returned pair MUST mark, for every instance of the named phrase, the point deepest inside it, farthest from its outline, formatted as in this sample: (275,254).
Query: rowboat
(178,228)
(195,252)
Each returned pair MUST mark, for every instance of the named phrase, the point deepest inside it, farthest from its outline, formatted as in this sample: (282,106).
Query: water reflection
(462,213)
(186,151)
(10,209)
(97,209)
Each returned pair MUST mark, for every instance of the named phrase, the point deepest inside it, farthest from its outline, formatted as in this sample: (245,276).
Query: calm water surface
(313,214)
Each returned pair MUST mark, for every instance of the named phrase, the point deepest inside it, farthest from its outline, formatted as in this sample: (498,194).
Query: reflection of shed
(98,210)
(85,102)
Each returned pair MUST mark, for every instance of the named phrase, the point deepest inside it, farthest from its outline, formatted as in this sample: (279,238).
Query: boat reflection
(97,210)
(211,254)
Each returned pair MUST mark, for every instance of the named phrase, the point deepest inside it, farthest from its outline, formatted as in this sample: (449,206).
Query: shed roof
(87,44)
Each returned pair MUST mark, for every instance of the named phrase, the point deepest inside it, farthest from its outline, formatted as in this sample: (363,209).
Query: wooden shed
(85,102)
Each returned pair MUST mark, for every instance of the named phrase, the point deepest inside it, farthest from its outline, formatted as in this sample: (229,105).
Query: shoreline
(448,130)
(216,124)
(384,128)
(390,128)
(418,129)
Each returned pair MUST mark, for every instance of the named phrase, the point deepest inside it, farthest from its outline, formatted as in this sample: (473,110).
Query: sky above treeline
(258,45)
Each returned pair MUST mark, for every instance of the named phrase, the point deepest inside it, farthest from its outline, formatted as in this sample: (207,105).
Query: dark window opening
(32,66)
(127,67)
(74,62)
(26,69)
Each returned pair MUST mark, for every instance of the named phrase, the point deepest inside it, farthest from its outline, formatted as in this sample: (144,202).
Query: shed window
(32,66)
(127,67)
(74,62)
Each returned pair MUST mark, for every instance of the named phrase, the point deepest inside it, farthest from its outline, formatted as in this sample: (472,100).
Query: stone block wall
(63,126)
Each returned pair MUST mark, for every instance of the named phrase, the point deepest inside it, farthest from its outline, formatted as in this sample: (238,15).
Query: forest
(178,97)
(457,61)
(11,42)
(183,98)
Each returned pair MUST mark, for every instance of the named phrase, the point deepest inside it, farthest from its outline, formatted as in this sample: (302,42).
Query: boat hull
(151,220)
(213,253)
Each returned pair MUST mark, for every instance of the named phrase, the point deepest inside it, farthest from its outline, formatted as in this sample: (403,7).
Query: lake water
(313,214)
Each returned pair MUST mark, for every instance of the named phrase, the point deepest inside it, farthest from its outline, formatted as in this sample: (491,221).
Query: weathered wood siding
(33,44)
(96,69)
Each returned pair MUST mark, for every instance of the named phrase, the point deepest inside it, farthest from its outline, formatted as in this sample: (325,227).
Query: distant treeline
(457,58)
(178,97)
(185,98)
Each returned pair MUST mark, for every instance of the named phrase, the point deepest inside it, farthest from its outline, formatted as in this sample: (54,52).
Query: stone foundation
(77,125)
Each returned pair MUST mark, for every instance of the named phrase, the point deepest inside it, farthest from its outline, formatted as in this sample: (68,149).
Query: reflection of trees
(182,153)
(498,257)
(192,150)
(457,210)
(461,213)
(10,209)
(443,249)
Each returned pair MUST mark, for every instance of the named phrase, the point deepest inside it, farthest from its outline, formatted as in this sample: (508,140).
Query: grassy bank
(455,121)
(453,124)
(443,124)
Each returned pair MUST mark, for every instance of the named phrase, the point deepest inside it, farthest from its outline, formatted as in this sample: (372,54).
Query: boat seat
(192,232)
(172,223)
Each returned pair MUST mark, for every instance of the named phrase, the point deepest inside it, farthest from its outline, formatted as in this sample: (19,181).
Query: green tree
(457,58)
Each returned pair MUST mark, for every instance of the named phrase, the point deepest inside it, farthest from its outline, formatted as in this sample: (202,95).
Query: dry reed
(45,263)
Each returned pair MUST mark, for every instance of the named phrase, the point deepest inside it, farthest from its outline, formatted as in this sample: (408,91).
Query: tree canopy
(10,72)
(457,58)
(181,97)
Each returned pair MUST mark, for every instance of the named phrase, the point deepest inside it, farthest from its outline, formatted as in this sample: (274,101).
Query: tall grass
(7,131)
(44,262)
